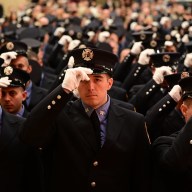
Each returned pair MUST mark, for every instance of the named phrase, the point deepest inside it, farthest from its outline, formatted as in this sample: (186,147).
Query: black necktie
(96,124)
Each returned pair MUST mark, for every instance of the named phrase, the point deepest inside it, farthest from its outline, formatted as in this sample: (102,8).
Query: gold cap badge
(184,74)
(153,43)
(166,58)
(9,46)
(8,70)
(87,54)
(142,36)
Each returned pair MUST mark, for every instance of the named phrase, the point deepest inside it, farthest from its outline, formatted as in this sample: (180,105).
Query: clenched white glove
(71,62)
(188,60)
(175,93)
(5,81)
(74,76)
(160,72)
(136,48)
(7,57)
(64,39)
(185,38)
(144,56)
(91,35)
(59,31)
(73,44)
(102,37)
(185,24)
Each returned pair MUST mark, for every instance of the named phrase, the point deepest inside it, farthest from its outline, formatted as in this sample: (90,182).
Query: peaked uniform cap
(100,61)
(142,35)
(19,77)
(165,59)
(173,79)
(186,87)
(19,47)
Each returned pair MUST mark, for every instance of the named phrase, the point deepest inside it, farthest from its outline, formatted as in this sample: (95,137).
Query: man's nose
(6,97)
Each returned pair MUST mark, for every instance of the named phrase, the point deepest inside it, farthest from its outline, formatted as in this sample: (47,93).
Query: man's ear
(24,95)
(29,70)
(110,83)
(183,109)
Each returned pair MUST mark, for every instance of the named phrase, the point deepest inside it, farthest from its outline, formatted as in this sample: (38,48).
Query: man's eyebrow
(98,76)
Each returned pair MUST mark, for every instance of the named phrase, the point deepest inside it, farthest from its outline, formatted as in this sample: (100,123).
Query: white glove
(73,44)
(26,19)
(136,49)
(5,81)
(64,39)
(76,93)
(7,57)
(74,76)
(59,31)
(175,93)
(185,24)
(91,35)
(173,33)
(185,38)
(188,60)
(190,30)
(160,72)
(71,62)
(144,56)
(102,37)
(168,43)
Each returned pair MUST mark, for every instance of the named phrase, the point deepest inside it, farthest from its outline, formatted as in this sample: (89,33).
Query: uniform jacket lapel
(115,123)
(85,126)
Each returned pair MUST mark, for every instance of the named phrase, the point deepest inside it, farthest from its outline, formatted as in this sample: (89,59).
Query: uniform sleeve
(175,152)
(38,128)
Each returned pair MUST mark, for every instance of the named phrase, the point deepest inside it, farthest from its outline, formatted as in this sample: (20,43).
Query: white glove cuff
(175,93)
(158,79)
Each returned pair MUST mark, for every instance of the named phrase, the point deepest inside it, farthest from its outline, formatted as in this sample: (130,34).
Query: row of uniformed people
(140,102)
(166,164)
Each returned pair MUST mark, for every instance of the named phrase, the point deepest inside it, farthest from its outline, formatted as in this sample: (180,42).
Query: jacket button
(95,163)
(190,142)
(93,184)
(58,96)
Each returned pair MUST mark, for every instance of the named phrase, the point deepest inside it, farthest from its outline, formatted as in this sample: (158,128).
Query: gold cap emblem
(184,74)
(153,43)
(8,70)
(142,36)
(87,54)
(9,46)
(166,58)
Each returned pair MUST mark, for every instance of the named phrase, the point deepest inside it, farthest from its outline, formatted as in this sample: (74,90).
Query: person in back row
(20,61)
(19,165)
(13,96)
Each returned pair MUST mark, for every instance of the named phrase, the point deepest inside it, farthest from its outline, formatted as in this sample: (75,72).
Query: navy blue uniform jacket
(72,163)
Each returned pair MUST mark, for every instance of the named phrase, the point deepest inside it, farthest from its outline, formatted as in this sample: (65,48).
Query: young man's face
(21,63)
(12,98)
(94,92)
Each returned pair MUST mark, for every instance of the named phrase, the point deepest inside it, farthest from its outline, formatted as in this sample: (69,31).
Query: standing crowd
(96,97)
